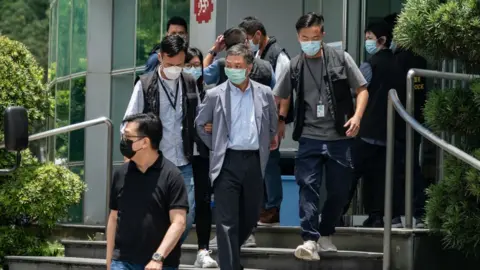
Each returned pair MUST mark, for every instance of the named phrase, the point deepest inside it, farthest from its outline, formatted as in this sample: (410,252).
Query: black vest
(272,51)
(150,87)
(261,72)
(340,100)
(386,75)
(270,54)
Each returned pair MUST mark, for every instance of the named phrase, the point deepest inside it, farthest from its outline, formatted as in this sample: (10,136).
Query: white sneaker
(204,260)
(307,252)
(325,244)
(250,243)
(213,242)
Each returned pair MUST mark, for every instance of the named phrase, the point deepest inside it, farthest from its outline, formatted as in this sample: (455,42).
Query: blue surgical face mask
(311,48)
(393,46)
(253,47)
(371,46)
(236,75)
(196,72)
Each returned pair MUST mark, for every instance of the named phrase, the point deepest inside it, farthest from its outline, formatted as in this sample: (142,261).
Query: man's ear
(249,69)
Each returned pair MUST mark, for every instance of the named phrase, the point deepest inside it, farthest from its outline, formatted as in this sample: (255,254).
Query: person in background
(214,70)
(172,95)
(369,152)
(406,60)
(262,72)
(175,26)
(325,123)
(200,164)
(244,121)
(268,49)
(148,202)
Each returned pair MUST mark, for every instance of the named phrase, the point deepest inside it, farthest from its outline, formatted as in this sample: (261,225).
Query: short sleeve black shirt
(143,201)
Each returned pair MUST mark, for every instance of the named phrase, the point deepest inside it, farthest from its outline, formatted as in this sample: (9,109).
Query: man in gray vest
(268,49)
(325,123)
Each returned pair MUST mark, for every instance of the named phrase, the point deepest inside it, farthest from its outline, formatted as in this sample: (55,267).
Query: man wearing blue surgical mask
(326,121)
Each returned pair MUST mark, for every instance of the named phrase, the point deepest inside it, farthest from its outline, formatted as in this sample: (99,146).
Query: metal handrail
(395,104)
(409,131)
(82,125)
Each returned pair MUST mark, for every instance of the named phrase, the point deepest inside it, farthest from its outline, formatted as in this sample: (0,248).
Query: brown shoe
(270,217)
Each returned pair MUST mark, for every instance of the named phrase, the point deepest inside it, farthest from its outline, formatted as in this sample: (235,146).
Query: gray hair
(241,50)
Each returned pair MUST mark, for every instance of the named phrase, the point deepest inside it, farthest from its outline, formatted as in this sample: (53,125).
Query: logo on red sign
(203,10)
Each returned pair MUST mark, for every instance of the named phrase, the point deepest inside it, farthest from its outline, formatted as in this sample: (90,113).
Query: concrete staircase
(360,248)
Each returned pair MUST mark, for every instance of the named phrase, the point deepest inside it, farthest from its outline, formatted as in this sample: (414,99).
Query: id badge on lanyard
(320,110)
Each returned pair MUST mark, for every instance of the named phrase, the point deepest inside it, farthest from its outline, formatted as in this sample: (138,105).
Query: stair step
(267,258)
(346,238)
(64,263)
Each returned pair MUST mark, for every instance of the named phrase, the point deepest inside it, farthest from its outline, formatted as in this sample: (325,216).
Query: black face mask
(126,148)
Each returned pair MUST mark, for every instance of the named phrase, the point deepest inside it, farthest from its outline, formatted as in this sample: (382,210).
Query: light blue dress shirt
(243,132)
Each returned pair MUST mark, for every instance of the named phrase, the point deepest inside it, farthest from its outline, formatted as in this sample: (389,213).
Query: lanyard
(169,93)
(318,85)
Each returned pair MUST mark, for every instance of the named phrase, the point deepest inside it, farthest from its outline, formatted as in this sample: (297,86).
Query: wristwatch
(281,118)
(157,257)
(212,52)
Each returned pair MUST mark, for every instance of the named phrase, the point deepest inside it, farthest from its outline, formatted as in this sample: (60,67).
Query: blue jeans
(119,265)
(187,173)
(312,157)
(273,181)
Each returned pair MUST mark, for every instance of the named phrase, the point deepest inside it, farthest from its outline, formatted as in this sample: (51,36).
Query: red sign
(203,10)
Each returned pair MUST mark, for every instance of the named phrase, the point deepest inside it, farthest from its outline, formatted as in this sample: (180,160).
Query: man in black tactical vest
(171,94)
(214,73)
(326,120)
(267,48)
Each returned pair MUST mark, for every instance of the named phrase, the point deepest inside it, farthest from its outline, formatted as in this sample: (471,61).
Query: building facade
(97,47)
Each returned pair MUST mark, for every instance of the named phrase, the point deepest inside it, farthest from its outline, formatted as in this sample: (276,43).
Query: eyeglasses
(129,137)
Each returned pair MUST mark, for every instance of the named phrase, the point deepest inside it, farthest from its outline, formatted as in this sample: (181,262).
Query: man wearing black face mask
(148,202)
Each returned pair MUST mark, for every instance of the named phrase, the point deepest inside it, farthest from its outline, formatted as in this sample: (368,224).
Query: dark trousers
(273,181)
(238,194)
(418,182)
(312,156)
(369,160)
(203,192)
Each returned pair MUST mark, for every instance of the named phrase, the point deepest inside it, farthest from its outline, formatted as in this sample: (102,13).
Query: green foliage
(441,30)
(454,206)
(27,21)
(21,83)
(36,195)
(453,110)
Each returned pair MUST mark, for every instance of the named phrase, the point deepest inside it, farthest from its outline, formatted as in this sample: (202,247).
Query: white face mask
(172,73)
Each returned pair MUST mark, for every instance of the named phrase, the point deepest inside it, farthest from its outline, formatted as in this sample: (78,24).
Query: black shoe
(373,222)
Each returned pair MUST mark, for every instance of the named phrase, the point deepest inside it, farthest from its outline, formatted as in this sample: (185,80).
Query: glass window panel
(122,88)
(79,36)
(62,118)
(77,115)
(75,212)
(123,34)
(52,64)
(64,21)
(148,28)
(175,8)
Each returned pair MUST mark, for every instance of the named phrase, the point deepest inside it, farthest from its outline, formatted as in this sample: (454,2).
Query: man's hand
(208,128)
(281,129)
(354,126)
(219,44)
(274,143)
(153,265)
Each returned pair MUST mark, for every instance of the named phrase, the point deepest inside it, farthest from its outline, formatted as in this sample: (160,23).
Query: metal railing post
(409,152)
(109,171)
(387,233)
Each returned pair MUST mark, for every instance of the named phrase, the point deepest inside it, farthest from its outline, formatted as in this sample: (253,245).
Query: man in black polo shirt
(148,202)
